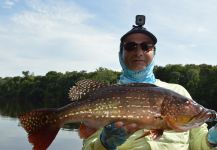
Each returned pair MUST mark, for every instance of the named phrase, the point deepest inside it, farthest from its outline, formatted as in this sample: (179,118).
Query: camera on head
(138,28)
(140,20)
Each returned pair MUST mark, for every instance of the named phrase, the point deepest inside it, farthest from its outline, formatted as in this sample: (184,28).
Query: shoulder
(174,87)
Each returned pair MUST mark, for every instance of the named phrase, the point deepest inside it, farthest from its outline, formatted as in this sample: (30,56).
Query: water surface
(13,136)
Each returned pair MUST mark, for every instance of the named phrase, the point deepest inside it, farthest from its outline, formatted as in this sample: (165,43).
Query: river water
(13,137)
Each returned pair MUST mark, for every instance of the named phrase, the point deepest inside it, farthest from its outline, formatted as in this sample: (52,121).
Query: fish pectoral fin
(144,134)
(154,133)
(86,131)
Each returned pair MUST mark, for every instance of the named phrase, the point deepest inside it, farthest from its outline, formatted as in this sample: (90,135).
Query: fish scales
(117,102)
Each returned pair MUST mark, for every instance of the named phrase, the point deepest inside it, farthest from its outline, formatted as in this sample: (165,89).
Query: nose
(139,51)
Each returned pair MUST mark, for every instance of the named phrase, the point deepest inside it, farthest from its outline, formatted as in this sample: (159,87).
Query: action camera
(140,20)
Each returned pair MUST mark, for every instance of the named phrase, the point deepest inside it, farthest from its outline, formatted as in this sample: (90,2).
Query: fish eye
(187,102)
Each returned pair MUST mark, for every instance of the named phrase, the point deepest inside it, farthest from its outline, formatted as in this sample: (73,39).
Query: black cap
(139,29)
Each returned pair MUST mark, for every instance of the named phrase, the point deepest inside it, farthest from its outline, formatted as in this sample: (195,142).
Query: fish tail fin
(42,127)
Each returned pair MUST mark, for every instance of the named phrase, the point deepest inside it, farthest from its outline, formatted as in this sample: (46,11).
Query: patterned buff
(143,76)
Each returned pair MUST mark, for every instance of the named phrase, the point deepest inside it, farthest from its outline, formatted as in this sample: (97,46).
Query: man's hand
(116,133)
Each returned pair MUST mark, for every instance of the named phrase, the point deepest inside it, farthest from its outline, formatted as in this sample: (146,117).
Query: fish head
(184,114)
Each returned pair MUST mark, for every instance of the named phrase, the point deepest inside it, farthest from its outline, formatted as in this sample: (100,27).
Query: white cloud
(55,37)
(64,35)
(9,3)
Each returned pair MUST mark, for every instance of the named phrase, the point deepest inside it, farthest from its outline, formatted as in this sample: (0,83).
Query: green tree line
(23,93)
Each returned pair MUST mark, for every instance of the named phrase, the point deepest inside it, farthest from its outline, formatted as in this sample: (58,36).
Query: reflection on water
(14,137)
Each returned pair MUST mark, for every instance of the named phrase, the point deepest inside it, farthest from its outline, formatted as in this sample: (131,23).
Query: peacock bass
(96,104)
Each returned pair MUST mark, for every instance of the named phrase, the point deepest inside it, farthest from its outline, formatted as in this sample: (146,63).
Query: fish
(95,105)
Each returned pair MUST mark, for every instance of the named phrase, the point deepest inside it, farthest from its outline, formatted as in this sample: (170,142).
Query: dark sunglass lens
(145,46)
(130,46)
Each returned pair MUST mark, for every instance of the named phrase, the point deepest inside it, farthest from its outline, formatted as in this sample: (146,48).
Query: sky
(74,35)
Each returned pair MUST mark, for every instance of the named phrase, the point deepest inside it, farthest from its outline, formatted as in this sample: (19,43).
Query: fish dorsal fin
(83,87)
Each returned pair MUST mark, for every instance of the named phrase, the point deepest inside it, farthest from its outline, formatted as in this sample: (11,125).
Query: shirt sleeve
(198,138)
(94,143)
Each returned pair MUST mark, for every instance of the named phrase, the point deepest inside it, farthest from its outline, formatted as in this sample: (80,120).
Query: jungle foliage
(22,93)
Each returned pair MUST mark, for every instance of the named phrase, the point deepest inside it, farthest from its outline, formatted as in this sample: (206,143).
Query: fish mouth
(198,119)
(192,122)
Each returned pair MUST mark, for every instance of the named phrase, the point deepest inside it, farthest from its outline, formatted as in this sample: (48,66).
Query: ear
(121,48)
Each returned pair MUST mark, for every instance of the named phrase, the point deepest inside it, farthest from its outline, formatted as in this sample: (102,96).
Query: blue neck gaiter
(142,76)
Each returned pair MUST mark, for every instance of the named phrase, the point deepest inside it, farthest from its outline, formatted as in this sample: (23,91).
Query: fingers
(129,128)
(119,124)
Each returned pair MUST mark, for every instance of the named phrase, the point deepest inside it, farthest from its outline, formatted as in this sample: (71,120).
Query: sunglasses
(132,46)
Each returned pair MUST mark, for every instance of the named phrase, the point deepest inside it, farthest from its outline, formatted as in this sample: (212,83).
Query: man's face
(137,59)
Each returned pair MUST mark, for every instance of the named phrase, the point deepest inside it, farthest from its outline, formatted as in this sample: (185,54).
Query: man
(136,55)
